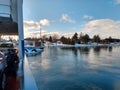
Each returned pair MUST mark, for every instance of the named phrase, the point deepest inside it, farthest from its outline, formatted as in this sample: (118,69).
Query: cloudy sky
(69,16)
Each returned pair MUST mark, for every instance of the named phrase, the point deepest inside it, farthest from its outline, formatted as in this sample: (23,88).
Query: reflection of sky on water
(85,68)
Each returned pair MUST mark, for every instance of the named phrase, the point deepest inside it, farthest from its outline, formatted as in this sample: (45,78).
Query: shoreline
(84,45)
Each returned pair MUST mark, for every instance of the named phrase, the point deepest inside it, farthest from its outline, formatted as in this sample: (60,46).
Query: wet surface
(93,68)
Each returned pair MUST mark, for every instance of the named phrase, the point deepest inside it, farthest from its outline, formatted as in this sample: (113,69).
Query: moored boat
(30,50)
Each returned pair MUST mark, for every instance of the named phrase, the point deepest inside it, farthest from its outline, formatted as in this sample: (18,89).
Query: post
(0,37)
(21,41)
(20,27)
(40,31)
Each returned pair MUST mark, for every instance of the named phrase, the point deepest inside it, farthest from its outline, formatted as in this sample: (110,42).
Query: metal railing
(27,81)
(3,6)
(6,10)
(3,14)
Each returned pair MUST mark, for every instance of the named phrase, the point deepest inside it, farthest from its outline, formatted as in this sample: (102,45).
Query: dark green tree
(63,39)
(69,41)
(110,39)
(86,38)
(96,38)
(75,38)
(50,39)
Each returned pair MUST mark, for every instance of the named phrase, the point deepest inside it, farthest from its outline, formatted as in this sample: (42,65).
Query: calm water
(77,68)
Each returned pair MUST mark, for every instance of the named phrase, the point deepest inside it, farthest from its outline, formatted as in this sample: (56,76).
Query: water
(95,68)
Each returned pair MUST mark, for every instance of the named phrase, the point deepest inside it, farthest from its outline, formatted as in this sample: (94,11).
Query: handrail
(29,81)
(5,13)
(5,5)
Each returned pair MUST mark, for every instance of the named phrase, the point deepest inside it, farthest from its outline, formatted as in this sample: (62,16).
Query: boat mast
(40,31)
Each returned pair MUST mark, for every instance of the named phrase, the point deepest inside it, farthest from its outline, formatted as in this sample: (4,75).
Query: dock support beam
(20,27)
(21,42)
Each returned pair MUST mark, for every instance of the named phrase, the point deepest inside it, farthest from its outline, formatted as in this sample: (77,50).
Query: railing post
(21,42)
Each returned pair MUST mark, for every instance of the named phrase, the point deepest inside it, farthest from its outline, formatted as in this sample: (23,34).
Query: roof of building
(8,27)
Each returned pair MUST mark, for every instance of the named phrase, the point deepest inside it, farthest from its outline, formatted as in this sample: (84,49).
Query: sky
(66,17)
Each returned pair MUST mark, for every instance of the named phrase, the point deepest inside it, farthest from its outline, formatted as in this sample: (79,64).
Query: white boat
(31,50)
(57,44)
(40,47)
(82,45)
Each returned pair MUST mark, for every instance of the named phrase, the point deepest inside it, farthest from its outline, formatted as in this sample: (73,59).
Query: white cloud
(103,27)
(32,28)
(67,18)
(30,24)
(87,17)
(45,22)
(33,24)
(117,1)
(34,32)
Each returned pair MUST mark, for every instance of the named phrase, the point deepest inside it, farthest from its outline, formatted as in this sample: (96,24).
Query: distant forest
(80,39)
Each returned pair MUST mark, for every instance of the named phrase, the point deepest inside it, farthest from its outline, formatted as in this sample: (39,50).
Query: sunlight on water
(93,68)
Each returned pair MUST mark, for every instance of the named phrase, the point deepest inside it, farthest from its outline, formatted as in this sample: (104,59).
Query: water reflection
(75,51)
(84,50)
(97,49)
(110,48)
(78,50)
(87,68)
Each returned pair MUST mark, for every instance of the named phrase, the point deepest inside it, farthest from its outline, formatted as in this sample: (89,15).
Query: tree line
(85,39)
(80,39)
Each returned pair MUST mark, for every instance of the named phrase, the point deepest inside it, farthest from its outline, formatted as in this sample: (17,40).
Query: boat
(56,44)
(31,50)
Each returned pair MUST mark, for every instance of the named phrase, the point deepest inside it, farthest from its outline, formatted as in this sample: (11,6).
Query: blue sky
(70,16)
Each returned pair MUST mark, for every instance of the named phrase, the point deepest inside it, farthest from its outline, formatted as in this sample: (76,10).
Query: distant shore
(82,45)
